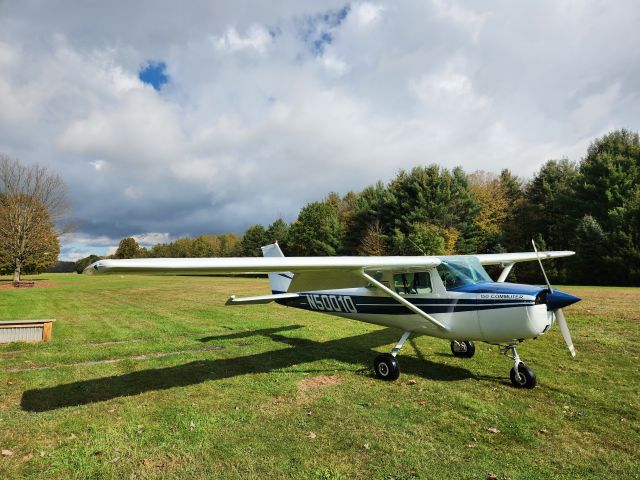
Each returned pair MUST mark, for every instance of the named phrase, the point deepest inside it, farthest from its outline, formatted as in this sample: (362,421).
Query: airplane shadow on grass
(355,349)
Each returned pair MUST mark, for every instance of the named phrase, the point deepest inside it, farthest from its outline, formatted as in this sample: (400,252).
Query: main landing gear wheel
(524,377)
(386,367)
(464,349)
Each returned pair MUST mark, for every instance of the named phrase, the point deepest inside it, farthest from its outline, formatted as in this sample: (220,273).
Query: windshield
(462,271)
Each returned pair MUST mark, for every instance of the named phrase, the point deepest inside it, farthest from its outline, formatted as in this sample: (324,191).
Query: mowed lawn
(153,377)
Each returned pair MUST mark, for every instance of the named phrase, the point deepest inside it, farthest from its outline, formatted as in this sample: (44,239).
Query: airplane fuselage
(492,312)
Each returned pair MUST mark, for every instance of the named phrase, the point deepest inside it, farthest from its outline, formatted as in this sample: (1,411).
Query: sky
(168,118)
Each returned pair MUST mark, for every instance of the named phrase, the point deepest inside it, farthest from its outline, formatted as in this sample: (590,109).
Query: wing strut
(505,271)
(403,301)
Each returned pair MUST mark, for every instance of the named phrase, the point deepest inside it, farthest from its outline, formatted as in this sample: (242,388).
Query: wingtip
(91,269)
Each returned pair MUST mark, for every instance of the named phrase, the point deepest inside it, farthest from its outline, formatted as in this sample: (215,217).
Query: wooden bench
(26,331)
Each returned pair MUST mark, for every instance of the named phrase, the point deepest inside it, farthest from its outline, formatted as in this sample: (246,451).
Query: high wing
(506,258)
(260,264)
(310,273)
(316,267)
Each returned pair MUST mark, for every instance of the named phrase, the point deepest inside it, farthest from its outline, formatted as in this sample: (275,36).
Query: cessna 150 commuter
(449,297)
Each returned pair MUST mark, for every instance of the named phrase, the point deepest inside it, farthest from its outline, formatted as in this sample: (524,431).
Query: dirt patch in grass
(114,342)
(319,381)
(9,285)
(307,388)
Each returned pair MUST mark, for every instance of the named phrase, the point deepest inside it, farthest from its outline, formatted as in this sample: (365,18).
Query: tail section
(279,281)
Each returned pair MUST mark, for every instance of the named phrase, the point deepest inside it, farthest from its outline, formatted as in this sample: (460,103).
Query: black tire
(386,367)
(464,349)
(527,379)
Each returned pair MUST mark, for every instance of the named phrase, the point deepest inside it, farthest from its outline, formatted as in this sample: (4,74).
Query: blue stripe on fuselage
(390,306)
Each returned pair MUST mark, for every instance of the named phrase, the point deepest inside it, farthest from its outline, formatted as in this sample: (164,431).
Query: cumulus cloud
(596,108)
(98,164)
(367,14)
(137,128)
(466,18)
(334,65)
(256,38)
(268,107)
(152,238)
(448,91)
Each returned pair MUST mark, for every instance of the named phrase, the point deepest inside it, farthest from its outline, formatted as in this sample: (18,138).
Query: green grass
(153,377)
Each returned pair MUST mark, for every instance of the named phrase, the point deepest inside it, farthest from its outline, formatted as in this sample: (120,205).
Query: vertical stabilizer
(279,281)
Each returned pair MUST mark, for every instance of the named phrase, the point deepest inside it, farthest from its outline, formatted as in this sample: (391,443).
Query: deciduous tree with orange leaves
(33,206)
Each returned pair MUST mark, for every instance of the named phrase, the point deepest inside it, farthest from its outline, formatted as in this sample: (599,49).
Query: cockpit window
(459,272)
(414,283)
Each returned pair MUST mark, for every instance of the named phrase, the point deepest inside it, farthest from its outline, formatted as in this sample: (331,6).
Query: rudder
(279,281)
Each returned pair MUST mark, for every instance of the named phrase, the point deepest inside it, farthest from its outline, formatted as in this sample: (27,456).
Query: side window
(400,283)
(412,283)
(379,277)
(422,281)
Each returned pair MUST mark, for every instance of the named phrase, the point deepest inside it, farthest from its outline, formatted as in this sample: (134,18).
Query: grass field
(153,377)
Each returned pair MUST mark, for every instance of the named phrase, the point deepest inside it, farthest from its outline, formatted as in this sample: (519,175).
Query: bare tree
(33,210)
(373,243)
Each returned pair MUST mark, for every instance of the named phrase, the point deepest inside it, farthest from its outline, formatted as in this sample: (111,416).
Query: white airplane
(450,297)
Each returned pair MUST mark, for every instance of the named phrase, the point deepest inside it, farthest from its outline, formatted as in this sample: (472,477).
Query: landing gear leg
(521,375)
(386,365)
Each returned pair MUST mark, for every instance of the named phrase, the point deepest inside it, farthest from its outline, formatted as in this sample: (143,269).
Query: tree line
(591,206)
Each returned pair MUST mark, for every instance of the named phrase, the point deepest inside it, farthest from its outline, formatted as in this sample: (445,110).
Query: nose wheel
(521,375)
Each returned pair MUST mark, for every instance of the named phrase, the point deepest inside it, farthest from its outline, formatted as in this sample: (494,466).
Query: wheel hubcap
(460,347)
(383,369)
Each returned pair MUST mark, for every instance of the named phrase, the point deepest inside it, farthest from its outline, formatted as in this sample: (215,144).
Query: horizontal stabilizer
(261,299)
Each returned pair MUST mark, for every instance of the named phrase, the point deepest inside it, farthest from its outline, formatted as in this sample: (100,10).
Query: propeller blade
(562,322)
(564,329)
(541,267)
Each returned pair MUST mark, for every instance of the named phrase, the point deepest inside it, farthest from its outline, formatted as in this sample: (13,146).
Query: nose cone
(559,299)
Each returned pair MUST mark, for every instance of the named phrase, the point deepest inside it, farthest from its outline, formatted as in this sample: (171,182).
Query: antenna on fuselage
(417,247)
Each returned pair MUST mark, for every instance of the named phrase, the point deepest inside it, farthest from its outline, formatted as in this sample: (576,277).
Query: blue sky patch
(154,74)
(316,30)
(335,18)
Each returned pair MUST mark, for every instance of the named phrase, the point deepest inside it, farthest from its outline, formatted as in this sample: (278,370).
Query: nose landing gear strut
(521,375)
